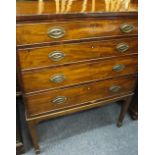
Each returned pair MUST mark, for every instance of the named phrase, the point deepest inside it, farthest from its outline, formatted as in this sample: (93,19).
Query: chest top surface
(59,8)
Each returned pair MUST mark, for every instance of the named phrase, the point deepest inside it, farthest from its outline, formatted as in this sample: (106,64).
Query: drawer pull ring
(56,55)
(56,32)
(59,100)
(115,88)
(122,47)
(127,28)
(118,67)
(57,78)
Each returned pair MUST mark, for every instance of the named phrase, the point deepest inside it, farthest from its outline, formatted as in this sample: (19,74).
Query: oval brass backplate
(118,67)
(56,32)
(57,78)
(59,100)
(127,28)
(56,55)
(122,47)
(114,88)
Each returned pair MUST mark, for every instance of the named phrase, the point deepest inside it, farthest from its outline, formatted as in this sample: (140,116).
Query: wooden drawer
(70,53)
(30,33)
(64,98)
(78,73)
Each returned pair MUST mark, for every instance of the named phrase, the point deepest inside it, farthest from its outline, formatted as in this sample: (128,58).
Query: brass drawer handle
(127,28)
(118,67)
(59,100)
(56,32)
(115,88)
(57,78)
(122,47)
(56,55)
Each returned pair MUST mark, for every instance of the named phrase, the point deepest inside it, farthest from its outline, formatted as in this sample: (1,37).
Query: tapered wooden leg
(124,110)
(33,134)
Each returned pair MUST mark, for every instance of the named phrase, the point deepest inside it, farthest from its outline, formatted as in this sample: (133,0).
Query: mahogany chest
(75,55)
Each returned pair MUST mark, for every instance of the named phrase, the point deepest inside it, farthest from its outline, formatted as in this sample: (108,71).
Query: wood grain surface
(36,80)
(38,32)
(35,7)
(42,102)
(76,52)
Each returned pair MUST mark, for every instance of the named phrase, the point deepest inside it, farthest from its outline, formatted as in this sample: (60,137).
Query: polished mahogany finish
(78,73)
(43,102)
(75,55)
(32,9)
(72,30)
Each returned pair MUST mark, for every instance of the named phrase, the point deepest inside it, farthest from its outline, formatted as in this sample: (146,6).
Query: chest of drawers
(75,55)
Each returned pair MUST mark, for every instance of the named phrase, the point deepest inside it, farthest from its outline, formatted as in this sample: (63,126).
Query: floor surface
(91,132)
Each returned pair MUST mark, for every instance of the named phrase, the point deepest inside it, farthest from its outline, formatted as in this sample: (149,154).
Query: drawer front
(55,31)
(78,73)
(69,53)
(65,98)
